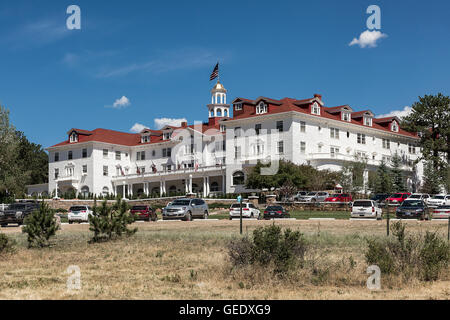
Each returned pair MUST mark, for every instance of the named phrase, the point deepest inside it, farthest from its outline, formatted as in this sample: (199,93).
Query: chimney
(184,124)
(318,96)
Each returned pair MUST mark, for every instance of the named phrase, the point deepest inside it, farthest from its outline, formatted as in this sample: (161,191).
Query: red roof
(304,106)
(104,135)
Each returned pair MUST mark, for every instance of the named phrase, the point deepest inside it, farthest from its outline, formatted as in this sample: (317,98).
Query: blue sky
(159,55)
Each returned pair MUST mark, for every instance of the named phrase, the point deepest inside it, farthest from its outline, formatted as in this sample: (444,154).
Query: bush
(110,222)
(424,257)
(40,226)
(270,247)
(5,244)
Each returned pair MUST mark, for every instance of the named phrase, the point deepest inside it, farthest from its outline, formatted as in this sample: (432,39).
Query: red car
(144,213)
(339,197)
(398,197)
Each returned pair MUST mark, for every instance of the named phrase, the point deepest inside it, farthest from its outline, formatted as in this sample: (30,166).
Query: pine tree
(431,181)
(383,182)
(40,226)
(110,222)
(398,180)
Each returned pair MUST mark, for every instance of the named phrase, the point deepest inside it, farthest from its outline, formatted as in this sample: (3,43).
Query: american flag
(215,72)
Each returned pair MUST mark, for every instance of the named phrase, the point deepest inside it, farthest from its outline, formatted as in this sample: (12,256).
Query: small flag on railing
(215,72)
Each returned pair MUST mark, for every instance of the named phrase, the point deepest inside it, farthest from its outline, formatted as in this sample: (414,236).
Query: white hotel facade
(216,156)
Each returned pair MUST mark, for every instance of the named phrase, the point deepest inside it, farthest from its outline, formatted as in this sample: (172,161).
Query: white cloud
(161,122)
(368,39)
(138,128)
(397,113)
(121,103)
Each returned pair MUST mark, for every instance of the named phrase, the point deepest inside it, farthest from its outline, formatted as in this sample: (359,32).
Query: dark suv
(275,212)
(17,212)
(413,209)
(143,213)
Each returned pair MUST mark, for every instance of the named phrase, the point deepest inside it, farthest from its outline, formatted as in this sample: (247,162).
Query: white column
(160,188)
(204,187)
(164,187)
(207,186)
(124,193)
(56,189)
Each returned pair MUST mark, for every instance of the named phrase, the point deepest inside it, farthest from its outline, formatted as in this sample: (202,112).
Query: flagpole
(218,71)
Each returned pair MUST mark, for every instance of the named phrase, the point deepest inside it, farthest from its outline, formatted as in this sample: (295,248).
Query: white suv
(366,209)
(79,214)
(248,211)
(439,200)
(420,196)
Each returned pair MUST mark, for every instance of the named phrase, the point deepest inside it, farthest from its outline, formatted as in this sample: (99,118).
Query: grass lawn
(303,215)
(188,260)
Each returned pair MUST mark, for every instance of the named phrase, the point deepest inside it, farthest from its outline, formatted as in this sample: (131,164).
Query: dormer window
(73,137)
(238,106)
(394,126)
(315,109)
(261,108)
(368,121)
(145,139)
(167,135)
(346,116)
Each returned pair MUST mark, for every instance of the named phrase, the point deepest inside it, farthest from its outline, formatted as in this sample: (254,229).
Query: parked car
(144,212)
(366,209)
(380,197)
(314,197)
(339,197)
(439,200)
(416,209)
(276,212)
(248,211)
(398,197)
(17,212)
(79,214)
(299,195)
(186,209)
(441,212)
(420,196)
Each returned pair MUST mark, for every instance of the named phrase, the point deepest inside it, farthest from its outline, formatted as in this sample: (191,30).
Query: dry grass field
(188,260)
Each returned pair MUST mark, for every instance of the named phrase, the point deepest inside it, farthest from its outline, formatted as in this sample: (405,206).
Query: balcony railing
(170,172)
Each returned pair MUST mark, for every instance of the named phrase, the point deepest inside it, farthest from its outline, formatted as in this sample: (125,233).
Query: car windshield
(312,194)
(17,207)
(439,197)
(77,208)
(362,204)
(237,205)
(181,203)
(139,208)
(412,203)
(396,195)
(277,208)
(337,195)
(415,196)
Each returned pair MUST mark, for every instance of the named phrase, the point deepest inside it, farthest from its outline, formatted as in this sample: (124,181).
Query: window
(105,153)
(361,155)
(153,153)
(85,191)
(302,147)
(315,109)
(368,121)
(334,151)
(73,137)
(237,152)
(84,152)
(56,156)
(334,133)
(361,138)
(261,108)
(167,152)
(145,139)
(411,148)
(214,187)
(386,159)
(118,155)
(258,148)
(386,144)
(280,126)
(188,149)
(394,126)
(70,155)
(219,146)
(56,174)
(105,171)
(346,116)
(302,126)
(258,128)
(167,135)
(140,155)
(238,106)
(222,128)
(280,147)
(105,191)
(84,168)
(348,134)
(237,132)
(238,178)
